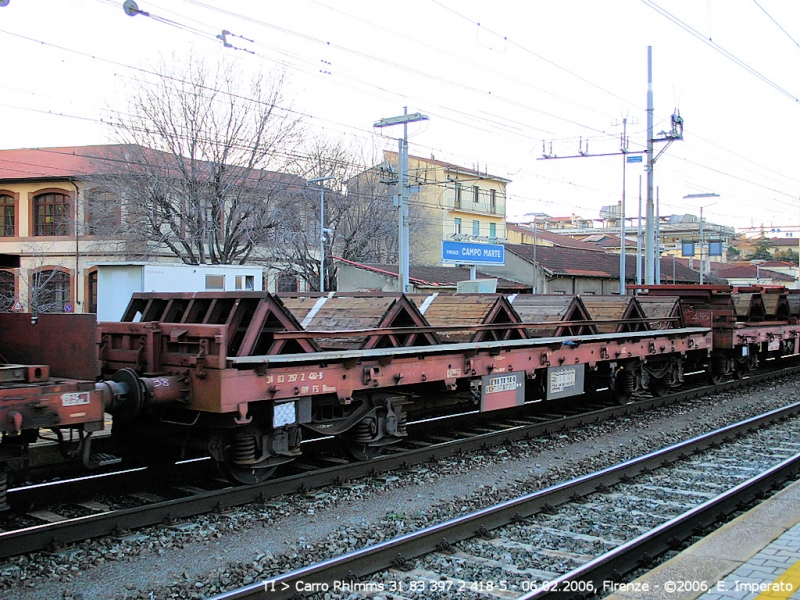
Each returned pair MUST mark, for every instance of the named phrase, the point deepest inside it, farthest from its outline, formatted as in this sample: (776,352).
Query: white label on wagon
(75,399)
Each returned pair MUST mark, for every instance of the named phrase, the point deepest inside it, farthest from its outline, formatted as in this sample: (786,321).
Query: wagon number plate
(75,399)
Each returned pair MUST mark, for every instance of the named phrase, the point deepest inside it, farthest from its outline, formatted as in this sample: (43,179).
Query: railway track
(85,519)
(543,545)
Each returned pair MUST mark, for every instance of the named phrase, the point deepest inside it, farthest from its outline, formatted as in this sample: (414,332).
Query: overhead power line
(776,23)
(753,71)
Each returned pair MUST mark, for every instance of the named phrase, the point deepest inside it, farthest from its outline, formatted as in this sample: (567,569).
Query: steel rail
(639,552)
(56,534)
(397,551)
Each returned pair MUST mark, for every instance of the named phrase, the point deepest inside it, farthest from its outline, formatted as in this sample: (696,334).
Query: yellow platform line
(784,586)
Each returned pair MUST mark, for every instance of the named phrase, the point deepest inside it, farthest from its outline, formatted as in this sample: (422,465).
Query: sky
(501,82)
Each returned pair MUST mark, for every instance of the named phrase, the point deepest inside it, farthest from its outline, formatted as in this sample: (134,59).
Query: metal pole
(400,239)
(404,267)
(658,238)
(701,245)
(639,238)
(649,271)
(622,256)
(535,274)
(402,196)
(321,238)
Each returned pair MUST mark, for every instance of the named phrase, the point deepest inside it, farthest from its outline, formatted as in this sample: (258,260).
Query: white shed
(116,282)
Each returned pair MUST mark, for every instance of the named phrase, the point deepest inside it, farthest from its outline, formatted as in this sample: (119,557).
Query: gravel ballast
(216,552)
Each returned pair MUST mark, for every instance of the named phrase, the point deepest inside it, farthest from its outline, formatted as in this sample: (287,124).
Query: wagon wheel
(741,368)
(659,387)
(245,474)
(714,377)
(623,397)
(358,451)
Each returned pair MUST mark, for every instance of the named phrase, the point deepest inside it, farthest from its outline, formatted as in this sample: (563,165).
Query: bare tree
(204,160)
(359,219)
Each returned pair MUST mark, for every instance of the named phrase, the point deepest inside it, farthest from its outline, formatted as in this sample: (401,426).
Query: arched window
(51,214)
(7,216)
(102,212)
(8,290)
(50,291)
(287,283)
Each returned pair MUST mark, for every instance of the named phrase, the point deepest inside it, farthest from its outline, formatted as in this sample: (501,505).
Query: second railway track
(570,540)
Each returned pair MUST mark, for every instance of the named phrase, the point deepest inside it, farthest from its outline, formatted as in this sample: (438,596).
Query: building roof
(591,263)
(435,276)
(750,272)
(71,162)
(774,264)
(61,163)
(453,167)
(607,241)
(783,242)
(558,240)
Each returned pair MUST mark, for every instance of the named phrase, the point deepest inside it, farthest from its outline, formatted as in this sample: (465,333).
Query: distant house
(768,273)
(358,277)
(561,270)
(525,234)
(52,209)
(61,217)
(456,203)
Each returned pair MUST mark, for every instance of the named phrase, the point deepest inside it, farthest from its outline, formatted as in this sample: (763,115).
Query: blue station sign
(473,254)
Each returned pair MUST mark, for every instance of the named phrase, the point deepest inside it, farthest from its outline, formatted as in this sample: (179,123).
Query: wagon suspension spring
(402,422)
(244,449)
(363,431)
(719,365)
(627,381)
(3,489)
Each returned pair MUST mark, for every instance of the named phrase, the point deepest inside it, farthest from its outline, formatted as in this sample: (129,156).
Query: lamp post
(321,227)
(402,182)
(533,289)
(708,195)
(533,224)
(757,264)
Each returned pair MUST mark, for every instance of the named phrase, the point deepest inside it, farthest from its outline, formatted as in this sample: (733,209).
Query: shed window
(245,282)
(215,282)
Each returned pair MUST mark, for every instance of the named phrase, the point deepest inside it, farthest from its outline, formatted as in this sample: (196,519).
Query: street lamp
(757,264)
(533,224)
(321,227)
(708,195)
(402,205)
